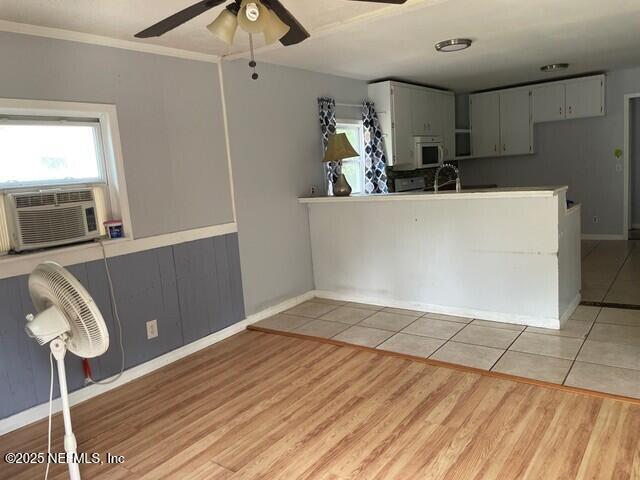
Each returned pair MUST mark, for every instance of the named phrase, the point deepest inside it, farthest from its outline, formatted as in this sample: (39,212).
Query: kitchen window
(353,168)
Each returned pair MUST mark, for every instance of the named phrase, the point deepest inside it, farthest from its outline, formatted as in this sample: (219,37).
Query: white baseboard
(41,411)
(598,236)
(570,309)
(544,322)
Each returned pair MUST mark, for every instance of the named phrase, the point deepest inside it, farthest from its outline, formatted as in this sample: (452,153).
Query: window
(46,145)
(41,153)
(353,168)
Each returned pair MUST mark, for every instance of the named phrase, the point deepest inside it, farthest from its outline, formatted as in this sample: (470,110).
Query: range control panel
(409,183)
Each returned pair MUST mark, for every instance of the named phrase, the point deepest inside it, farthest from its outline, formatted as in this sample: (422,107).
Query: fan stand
(59,349)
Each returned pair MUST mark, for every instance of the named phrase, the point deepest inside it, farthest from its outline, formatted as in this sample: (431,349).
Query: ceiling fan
(268,17)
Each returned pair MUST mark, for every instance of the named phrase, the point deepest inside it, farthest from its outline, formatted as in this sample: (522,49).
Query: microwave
(428,152)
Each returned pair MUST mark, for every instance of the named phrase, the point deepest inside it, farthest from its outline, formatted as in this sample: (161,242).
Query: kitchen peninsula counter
(510,255)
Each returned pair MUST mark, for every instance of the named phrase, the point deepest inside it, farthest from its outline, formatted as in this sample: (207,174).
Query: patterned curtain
(327,111)
(375,162)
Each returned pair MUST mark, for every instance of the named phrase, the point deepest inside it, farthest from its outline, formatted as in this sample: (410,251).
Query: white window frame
(360,148)
(97,135)
(107,121)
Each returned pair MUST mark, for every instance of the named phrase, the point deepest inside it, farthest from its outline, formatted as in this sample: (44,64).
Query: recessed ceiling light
(453,45)
(554,66)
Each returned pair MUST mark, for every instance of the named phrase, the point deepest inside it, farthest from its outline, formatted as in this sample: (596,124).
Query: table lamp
(339,148)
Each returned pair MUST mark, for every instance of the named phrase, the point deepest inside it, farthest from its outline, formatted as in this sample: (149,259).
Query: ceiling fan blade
(178,19)
(297,32)
(395,2)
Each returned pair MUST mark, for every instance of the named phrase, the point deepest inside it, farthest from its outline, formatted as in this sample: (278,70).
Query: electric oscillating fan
(69,319)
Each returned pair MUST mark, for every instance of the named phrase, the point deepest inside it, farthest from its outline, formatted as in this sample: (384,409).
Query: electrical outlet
(313,190)
(618,168)
(596,219)
(152,329)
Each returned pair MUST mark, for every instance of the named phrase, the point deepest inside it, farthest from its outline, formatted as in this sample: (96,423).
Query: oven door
(429,154)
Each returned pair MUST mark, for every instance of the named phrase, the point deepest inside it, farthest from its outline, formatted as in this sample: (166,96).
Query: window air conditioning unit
(48,218)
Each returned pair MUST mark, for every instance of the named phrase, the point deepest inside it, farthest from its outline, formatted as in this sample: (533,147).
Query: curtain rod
(354,105)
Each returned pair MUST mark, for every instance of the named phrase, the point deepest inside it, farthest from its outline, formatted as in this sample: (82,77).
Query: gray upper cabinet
(484,113)
(585,97)
(515,123)
(547,103)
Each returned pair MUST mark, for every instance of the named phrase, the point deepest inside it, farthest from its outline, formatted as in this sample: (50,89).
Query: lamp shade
(275,29)
(224,26)
(253,16)
(339,148)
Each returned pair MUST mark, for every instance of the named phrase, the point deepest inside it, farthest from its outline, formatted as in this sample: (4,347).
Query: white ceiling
(512,39)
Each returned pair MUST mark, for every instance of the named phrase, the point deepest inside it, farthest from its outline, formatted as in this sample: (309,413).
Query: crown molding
(69,35)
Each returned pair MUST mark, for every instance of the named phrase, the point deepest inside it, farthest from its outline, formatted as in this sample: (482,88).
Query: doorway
(634,168)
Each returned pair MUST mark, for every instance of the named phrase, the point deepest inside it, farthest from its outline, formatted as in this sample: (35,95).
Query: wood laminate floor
(268,406)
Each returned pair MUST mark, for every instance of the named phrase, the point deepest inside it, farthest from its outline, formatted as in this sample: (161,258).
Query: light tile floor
(599,348)
(611,271)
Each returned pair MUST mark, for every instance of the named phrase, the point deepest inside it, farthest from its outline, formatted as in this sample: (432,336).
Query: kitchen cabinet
(515,122)
(585,97)
(547,103)
(402,126)
(500,123)
(420,119)
(484,113)
(568,99)
(446,116)
(406,111)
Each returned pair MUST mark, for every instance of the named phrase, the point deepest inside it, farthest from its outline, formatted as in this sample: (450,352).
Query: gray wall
(634,161)
(578,153)
(276,153)
(193,289)
(170,117)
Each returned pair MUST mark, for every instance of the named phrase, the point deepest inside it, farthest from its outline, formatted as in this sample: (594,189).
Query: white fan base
(59,349)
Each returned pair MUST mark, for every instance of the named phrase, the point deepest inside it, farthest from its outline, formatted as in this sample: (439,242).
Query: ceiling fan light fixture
(224,26)
(275,29)
(553,67)
(453,45)
(253,16)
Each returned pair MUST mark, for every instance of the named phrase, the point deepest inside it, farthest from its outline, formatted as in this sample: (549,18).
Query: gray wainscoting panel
(192,289)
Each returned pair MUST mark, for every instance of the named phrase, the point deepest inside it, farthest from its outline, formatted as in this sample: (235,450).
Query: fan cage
(50,284)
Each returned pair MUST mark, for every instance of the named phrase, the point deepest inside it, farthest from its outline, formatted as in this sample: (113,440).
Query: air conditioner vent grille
(74,196)
(51,225)
(35,200)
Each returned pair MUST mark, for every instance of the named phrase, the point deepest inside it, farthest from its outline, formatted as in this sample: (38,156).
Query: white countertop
(520,192)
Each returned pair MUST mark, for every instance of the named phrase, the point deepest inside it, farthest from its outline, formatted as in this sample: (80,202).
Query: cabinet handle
(504,147)
(495,147)
(560,110)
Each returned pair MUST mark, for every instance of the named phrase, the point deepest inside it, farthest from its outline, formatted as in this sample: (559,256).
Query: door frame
(627,162)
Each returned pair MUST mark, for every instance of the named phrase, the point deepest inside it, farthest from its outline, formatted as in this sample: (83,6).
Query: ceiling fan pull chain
(252,63)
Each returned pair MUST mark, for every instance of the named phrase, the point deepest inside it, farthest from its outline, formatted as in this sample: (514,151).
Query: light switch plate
(152,329)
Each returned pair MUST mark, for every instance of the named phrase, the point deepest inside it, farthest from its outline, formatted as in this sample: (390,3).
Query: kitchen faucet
(437,174)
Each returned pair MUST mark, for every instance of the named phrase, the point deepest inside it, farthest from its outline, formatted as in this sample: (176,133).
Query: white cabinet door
(585,97)
(420,106)
(485,124)
(547,103)
(402,126)
(446,124)
(435,115)
(515,122)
